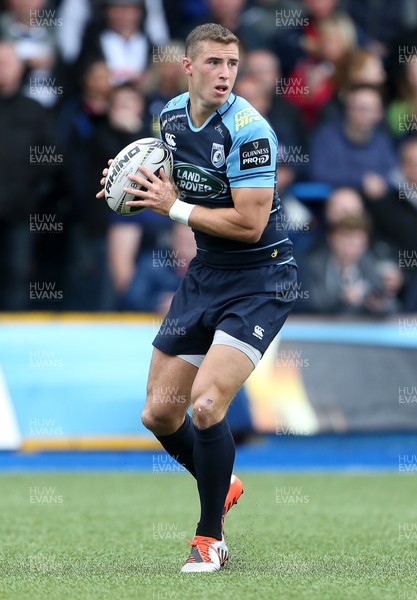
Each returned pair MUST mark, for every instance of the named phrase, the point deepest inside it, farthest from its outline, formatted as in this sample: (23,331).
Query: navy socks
(180,445)
(214,455)
(208,454)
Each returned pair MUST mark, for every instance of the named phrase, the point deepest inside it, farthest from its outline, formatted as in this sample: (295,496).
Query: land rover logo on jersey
(195,181)
(255,154)
(217,155)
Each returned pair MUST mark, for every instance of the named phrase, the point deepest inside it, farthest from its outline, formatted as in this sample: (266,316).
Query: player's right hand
(100,194)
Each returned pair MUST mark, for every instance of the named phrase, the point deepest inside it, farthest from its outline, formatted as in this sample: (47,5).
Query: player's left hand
(101,193)
(157,193)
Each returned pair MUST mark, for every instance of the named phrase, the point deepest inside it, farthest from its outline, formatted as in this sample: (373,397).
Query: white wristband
(180,211)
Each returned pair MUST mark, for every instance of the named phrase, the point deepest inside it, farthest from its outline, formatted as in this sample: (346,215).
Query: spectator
(343,203)
(121,236)
(74,15)
(262,17)
(347,202)
(395,215)
(124,124)
(126,237)
(24,131)
(380,20)
(120,41)
(343,276)
(183,14)
(77,122)
(402,111)
(225,13)
(300,38)
(265,68)
(23,25)
(83,20)
(355,150)
(363,67)
(156,25)
(315,79)
(166,80)
(232,14)
(89,104)
(158,273)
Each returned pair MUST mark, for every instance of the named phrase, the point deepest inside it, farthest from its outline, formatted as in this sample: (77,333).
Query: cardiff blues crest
(217,155)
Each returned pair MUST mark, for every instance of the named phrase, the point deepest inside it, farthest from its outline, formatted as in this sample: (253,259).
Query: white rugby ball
(146,152)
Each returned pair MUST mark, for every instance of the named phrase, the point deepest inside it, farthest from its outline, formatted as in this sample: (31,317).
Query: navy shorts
(249,304)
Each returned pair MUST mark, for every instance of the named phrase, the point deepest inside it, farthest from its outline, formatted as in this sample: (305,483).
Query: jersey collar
(220,111)
(231,99)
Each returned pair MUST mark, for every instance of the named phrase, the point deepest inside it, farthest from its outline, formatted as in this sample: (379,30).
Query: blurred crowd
(80,79)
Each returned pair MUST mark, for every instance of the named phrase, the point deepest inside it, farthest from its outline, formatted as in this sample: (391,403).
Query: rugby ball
(146,152)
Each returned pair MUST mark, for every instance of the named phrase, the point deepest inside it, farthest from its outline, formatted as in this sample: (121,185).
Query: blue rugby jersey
(234,148)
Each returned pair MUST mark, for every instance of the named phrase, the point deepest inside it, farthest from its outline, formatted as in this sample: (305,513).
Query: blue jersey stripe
(245,176)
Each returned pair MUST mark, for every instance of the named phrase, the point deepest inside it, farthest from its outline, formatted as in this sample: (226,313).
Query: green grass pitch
(121,536)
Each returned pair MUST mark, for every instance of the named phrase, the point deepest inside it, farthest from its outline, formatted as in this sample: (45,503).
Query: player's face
(212,73)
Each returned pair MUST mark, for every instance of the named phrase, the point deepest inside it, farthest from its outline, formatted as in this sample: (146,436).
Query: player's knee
(163,415)
(209,403)
(156,417)
(148,419)
(159,422)
(207,410)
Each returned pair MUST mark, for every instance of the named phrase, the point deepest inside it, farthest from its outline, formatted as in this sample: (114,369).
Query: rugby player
(228,307)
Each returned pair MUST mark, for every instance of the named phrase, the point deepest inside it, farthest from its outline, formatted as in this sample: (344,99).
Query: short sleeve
(252,159)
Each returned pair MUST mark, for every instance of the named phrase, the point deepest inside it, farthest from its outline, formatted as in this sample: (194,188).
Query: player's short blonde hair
(212,32)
